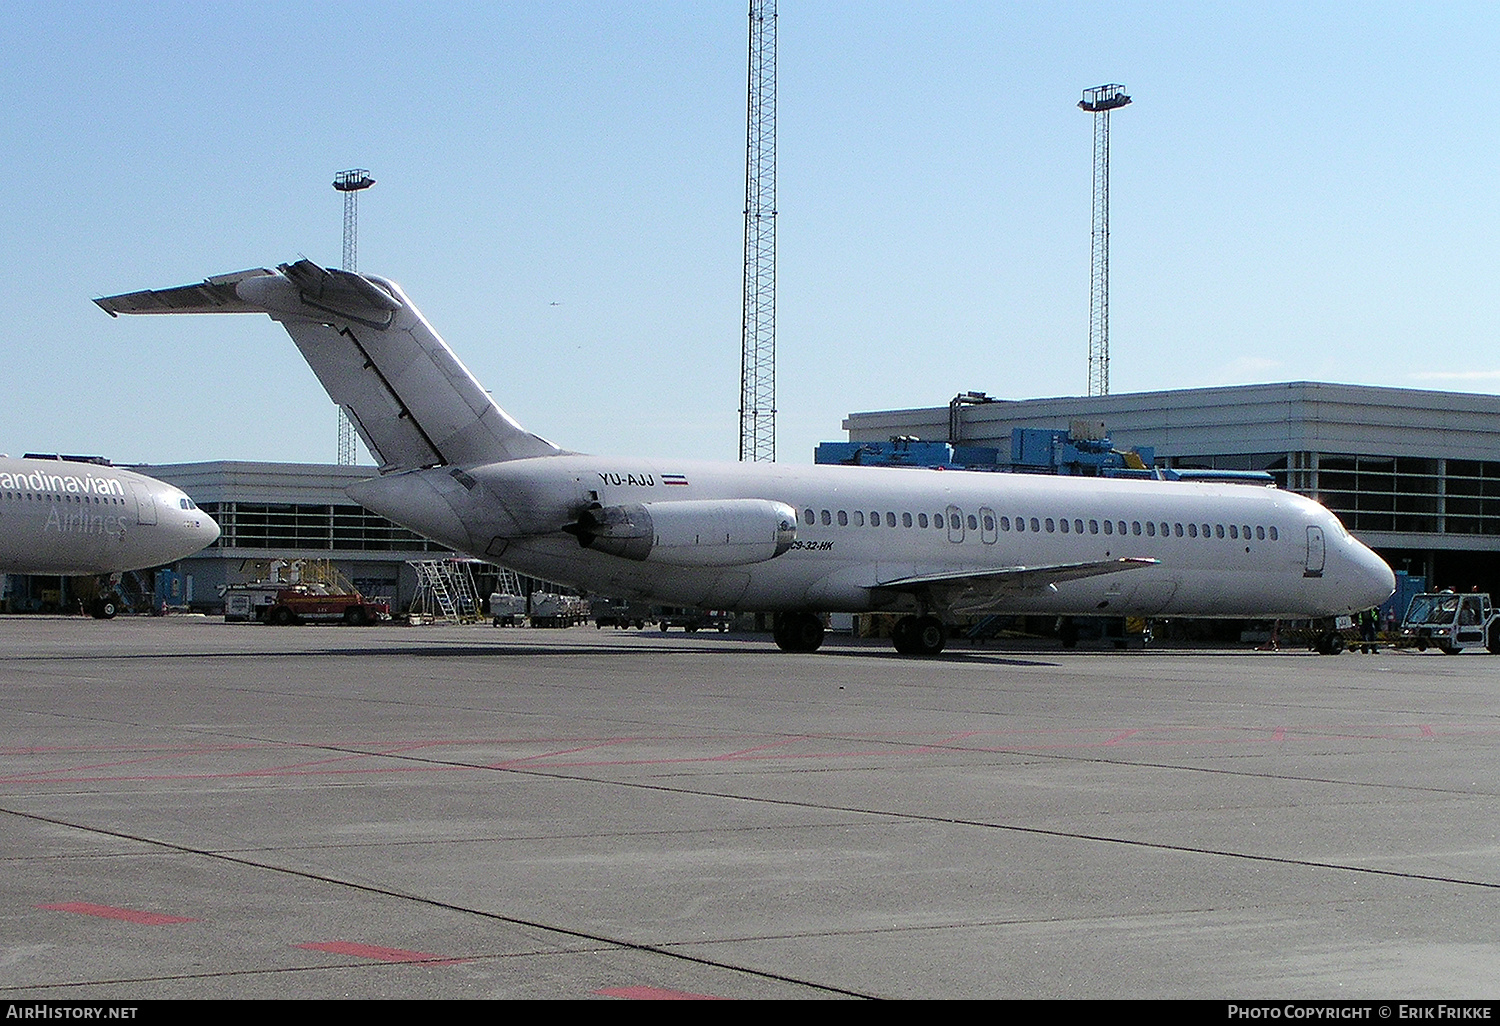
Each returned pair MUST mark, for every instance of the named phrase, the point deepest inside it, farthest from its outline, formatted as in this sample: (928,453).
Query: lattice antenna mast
(351,183)
(1099,101)
(758,328)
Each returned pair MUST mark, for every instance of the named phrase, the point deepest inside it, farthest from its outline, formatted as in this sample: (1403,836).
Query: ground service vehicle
(1450,622)
(507,610)
(302,591)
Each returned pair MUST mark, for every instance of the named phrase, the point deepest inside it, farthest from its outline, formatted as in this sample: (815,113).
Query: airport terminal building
(293,511)
(1414,474)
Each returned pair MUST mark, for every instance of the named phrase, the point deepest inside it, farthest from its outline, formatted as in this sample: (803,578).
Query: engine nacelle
(693,532)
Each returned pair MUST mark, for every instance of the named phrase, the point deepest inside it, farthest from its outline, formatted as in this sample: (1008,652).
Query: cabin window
(827,518)
(1135,528)
(1245,531)
(1035,524)
(1063,524)
(1273,533)
(1005,523)
(1260,533)
(921,519)
(1233,531)
(874,518)
(1177,530)
(1020,523)
(1218,530)
(1192,530)
(938,520)
(890,520)
(859,518)
(989,522)
(906,520)
(809,517)
(1151,528)
(1109,527)
(1093,527)
(973,522)
(954,522)
(843,518)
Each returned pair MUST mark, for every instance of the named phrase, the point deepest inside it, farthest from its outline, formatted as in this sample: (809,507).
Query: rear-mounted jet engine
(691,532)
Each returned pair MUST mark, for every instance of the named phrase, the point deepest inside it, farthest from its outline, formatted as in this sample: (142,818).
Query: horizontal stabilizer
(216,295)
(408,396)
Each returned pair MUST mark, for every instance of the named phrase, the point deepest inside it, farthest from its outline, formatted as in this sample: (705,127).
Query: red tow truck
(319,594)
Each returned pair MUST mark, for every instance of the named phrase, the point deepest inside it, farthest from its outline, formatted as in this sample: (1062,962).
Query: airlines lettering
(38,481)
(83,523)
(638,480)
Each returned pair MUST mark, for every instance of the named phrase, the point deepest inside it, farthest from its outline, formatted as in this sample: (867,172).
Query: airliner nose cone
(1377,580)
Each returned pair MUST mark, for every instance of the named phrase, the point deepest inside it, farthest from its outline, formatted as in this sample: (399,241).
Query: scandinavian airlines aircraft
(78,517)
(931,546)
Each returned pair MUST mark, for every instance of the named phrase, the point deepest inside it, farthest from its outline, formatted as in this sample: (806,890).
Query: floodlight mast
(351,183)
(1099,101)
(758,326)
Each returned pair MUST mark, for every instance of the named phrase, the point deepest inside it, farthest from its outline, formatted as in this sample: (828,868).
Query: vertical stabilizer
(411,400)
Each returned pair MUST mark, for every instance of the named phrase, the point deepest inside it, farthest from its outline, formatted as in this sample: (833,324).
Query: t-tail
(412,401)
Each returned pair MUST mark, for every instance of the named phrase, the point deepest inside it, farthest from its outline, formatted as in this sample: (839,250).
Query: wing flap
(972,591)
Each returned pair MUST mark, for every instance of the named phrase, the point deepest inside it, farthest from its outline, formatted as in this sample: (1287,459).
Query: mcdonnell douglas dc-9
(930,546)
(76,517)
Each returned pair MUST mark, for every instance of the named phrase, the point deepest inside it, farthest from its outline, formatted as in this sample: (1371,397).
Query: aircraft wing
(974,590)
(215,295)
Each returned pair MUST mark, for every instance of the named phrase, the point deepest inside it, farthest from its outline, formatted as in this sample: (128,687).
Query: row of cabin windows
(957,521)
(107,500)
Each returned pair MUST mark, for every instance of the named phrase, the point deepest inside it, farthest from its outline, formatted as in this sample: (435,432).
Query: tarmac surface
(195,809)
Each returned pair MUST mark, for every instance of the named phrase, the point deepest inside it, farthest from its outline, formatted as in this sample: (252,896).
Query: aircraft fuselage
(72,518)
(1222,549)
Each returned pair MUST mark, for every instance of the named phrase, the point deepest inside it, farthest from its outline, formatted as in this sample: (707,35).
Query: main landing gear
(797,632)
(919,635)
(913,635)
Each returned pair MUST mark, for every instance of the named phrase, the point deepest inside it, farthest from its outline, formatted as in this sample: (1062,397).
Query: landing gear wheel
(901,635)
(797,632)
(1331,643)
(919,635)
(106,607)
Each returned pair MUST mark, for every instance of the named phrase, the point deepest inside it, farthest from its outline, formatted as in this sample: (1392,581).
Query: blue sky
(1299,191)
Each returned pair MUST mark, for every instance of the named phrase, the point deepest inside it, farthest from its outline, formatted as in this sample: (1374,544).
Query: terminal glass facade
(301,526)
(1401,494)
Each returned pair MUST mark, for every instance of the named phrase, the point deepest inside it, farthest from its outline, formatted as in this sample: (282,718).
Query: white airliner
(77,517)
(794,540)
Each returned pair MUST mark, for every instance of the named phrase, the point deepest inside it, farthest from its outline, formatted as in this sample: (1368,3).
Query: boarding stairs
(445,590)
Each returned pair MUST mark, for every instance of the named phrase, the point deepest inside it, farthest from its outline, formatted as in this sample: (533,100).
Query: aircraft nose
(208,530)
(1373,579)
